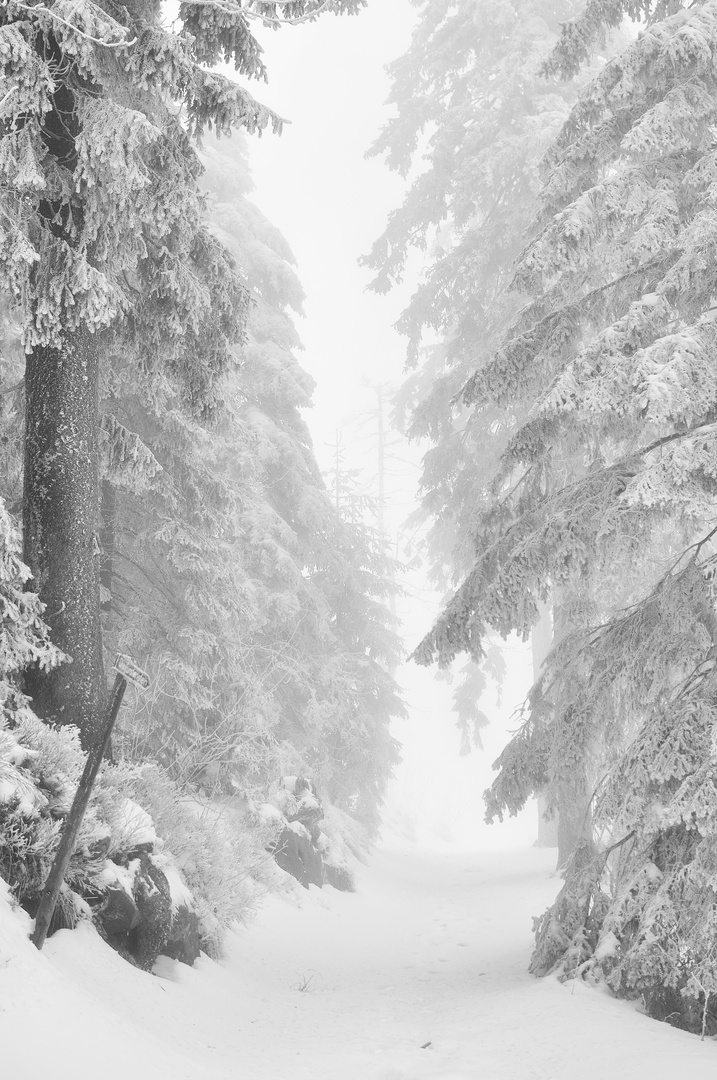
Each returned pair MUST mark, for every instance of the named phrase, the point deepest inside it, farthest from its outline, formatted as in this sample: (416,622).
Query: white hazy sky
(328,78)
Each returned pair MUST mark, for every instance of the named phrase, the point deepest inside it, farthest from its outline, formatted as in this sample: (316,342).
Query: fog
(331,203)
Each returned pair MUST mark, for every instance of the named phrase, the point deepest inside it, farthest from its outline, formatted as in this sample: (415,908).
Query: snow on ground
(420,974)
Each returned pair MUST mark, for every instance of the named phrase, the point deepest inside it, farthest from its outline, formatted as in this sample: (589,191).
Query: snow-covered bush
(28,832)
(222,855)
(141,834)
(34,796)
(24,638)
(27,845)
(214,860)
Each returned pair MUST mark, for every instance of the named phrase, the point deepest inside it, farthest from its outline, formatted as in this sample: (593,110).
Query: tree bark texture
(60,517)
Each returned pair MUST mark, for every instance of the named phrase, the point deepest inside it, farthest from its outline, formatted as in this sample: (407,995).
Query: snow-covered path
(421,973)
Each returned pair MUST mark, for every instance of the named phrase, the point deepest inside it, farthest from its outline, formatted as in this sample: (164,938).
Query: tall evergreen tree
(473,110)
(606,490)
(232,577)
(102,235)
(332,633)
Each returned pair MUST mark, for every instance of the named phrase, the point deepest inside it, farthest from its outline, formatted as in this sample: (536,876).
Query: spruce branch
(230,8)
(479,386)
(124,43)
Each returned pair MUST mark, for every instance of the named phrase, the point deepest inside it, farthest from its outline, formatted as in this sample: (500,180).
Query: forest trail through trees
(421,973)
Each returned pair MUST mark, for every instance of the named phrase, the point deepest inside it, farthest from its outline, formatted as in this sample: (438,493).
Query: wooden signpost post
(126,670)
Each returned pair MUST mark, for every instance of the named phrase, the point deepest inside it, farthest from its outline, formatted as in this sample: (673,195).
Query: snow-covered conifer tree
(232,577)
(102,237)
(473,119)
(606,491)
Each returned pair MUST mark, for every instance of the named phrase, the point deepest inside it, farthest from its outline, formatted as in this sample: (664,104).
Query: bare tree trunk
(60,516)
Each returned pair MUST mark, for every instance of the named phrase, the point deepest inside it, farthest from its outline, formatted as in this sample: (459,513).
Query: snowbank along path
(421,973)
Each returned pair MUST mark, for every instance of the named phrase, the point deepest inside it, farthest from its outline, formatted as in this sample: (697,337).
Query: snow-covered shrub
(39,769)
(24,638)
(215,861)
(221,854)
(27,846)
(214,857)
(28,832)
(50,764)
(132,809)
(54,757)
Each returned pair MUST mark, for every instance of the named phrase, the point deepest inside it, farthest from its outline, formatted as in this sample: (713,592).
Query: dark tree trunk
(60,517)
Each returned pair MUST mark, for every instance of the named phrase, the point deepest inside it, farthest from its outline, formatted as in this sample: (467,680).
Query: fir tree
(230,563)
(103,237)
(471,106)
(330,637)
(606,492)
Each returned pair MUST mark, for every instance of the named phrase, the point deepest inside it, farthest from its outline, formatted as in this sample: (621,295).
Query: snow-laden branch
(235,8)
(11,91)
(41,9)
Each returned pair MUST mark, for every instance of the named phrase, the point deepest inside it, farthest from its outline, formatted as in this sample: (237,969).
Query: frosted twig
(11,91)
(75,29)
(13,223)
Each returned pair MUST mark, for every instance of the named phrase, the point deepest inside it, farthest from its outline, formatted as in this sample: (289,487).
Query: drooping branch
(40,9)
